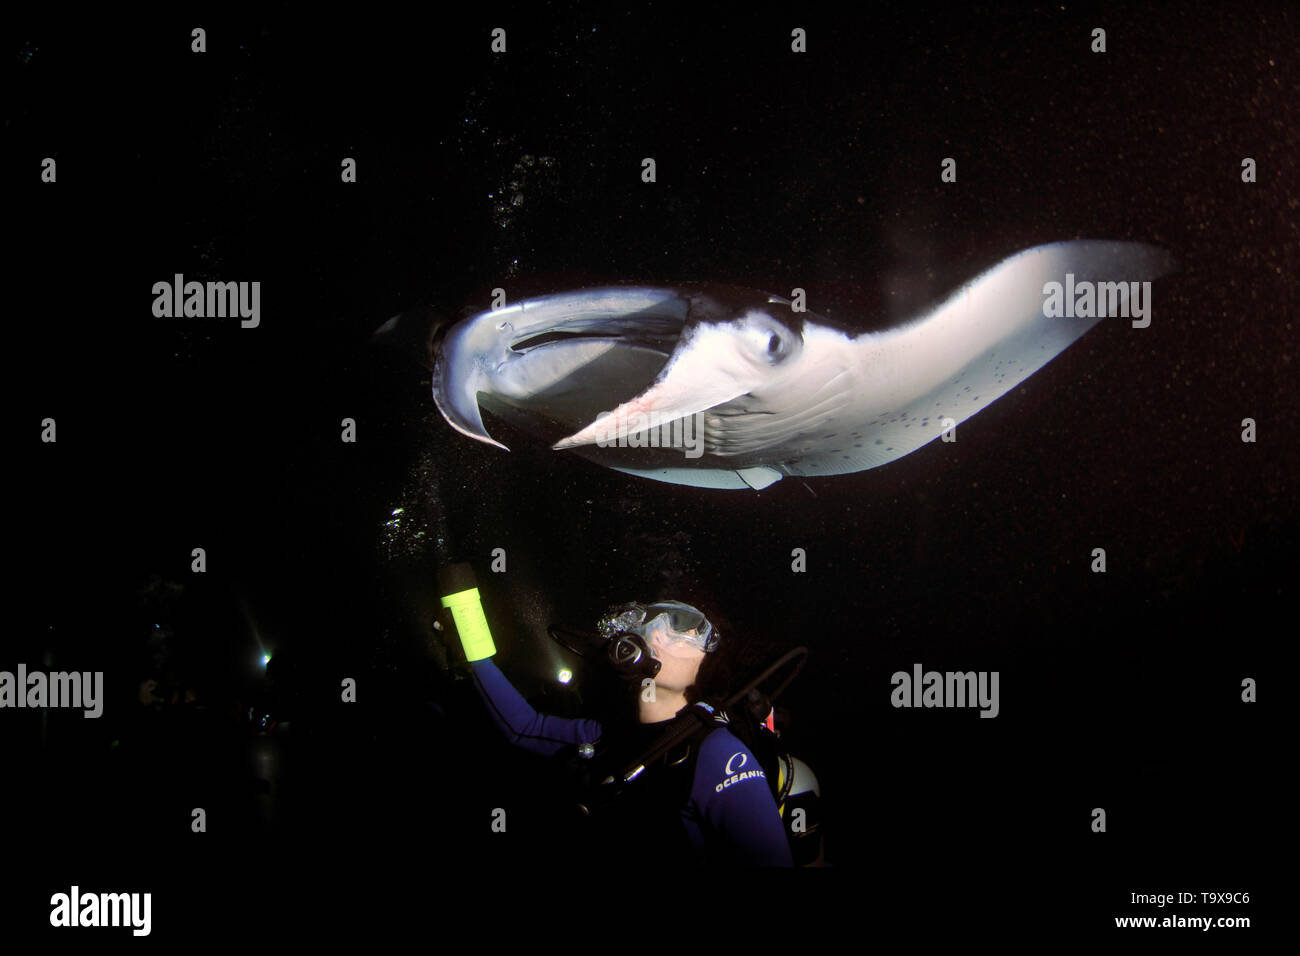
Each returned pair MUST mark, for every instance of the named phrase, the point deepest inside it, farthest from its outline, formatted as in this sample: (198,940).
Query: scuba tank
(793,784)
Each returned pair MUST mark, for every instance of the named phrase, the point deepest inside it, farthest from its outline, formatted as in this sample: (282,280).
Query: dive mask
(664,627)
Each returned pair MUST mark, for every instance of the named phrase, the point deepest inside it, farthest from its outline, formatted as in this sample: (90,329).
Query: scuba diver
(734,792)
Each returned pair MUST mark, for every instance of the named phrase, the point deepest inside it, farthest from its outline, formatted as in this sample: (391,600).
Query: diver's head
(665,641)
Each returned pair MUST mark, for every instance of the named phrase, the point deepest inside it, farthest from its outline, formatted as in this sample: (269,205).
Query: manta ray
(719,387)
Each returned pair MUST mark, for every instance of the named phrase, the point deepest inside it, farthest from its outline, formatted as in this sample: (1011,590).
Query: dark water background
(774,170)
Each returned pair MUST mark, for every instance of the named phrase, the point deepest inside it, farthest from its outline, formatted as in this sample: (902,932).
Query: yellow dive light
(459,591)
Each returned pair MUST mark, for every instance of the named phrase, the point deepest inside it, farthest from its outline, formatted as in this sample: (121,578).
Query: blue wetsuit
(730,814)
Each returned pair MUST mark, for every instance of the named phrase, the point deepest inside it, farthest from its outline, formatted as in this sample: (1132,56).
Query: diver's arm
(735,800)
(522,725)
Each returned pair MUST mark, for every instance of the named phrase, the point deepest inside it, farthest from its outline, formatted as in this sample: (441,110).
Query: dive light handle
(459,590)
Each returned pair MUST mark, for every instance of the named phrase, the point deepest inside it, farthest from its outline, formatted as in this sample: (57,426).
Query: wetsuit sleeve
(522,725)
(732,795)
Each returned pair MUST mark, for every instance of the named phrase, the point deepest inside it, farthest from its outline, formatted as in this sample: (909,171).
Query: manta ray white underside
(752,391)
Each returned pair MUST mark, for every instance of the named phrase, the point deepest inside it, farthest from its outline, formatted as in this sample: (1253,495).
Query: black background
(775,170)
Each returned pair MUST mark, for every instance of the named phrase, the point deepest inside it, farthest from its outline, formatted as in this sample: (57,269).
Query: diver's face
(679,661)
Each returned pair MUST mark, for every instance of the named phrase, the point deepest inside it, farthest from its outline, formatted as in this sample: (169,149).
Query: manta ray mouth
(642,329)
(531,342)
